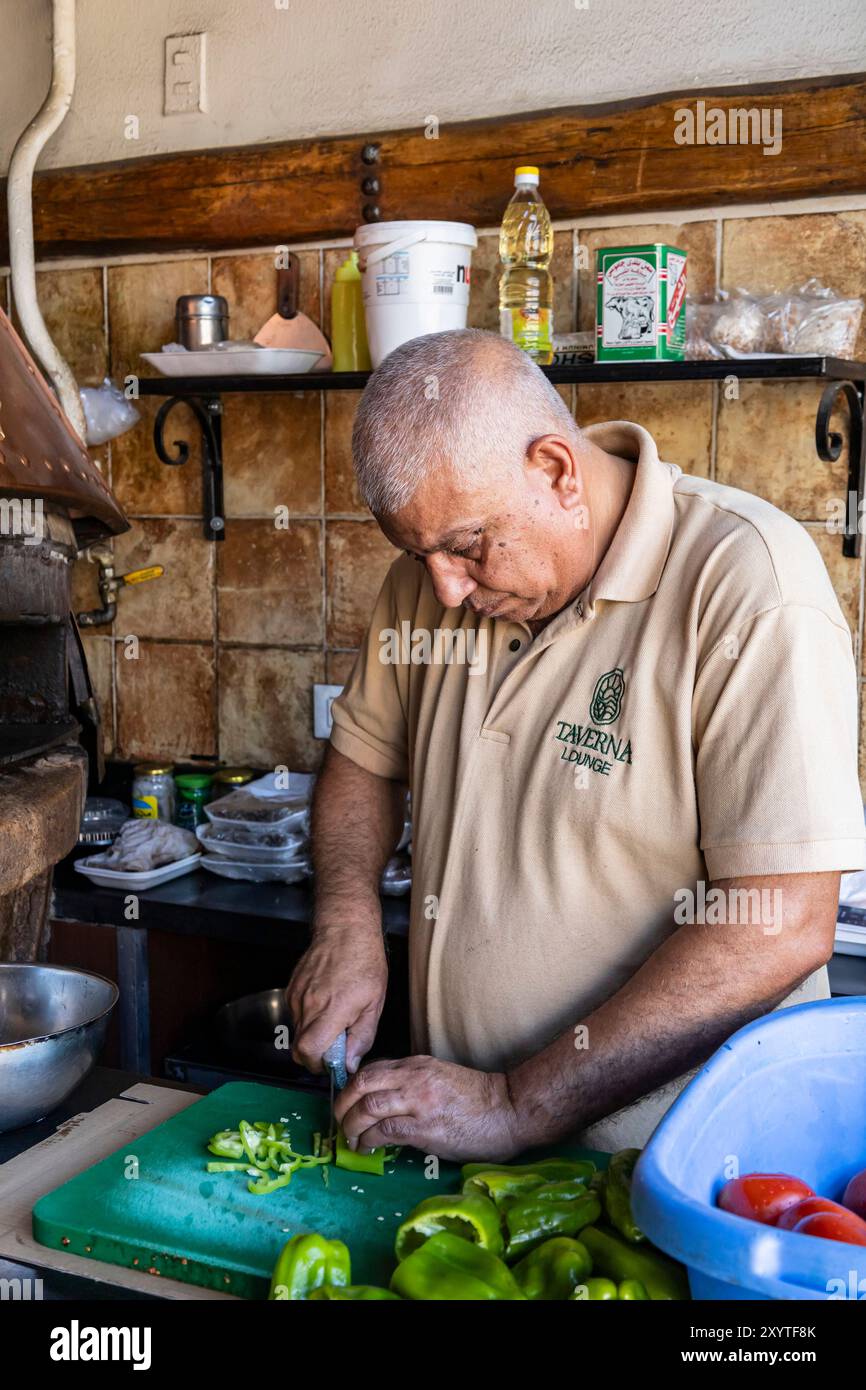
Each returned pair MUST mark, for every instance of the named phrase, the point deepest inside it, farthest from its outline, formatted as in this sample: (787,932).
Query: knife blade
(335,1062)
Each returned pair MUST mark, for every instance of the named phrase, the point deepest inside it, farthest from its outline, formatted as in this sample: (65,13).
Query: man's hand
(339,983)
(437,1107)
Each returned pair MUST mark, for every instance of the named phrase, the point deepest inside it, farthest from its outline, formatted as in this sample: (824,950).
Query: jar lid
(193,781)
(234,776)
(152,769)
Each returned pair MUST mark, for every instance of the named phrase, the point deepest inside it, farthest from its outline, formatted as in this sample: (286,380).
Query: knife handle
(335,1060)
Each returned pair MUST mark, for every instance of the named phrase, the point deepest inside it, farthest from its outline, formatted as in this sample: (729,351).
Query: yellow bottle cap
(527,169)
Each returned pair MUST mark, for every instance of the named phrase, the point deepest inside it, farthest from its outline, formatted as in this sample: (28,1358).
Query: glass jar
(227,778)
(193,793)
(153,793)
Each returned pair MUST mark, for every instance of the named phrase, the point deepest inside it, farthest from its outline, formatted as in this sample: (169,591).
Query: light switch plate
(184,74)
(323,697)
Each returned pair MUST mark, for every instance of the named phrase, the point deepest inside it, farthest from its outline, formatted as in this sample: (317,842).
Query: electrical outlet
(323,698)
(184,74)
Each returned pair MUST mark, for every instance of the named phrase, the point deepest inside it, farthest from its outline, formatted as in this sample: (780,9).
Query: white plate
(250,362)
(148,878)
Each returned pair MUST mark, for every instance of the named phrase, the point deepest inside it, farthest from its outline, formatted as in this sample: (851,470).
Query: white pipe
(20,199)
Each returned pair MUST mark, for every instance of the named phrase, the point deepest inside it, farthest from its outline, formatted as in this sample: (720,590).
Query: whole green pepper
(617,1195)
(548,1169)
(632,1289)
(468,1215)
(556,1209)
(553,1270)
(616,1259)
(447,1268)
(594,1291)
(306,1263)
(351,1293)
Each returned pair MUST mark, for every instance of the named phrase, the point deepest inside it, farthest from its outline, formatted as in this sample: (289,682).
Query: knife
(335,1062)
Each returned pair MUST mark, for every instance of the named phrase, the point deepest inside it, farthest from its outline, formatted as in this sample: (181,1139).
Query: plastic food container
(218,840)
(258,814)
(785,1094)
(257,873)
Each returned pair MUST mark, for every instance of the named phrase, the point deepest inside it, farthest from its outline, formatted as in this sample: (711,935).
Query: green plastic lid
(193,781)
(349,269)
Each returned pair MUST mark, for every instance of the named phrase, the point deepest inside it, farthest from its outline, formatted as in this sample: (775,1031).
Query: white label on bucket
(393,275)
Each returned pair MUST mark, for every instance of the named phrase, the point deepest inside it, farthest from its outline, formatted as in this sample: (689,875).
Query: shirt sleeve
(370,717)
(775,731)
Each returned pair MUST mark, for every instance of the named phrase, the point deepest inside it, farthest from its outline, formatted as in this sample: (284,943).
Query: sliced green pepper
(468,1215)
(617,1195)
(308,1262)
(262,1186)
(356,1162)
(447,1268)
(616,1259)
(351,1293)
(554,1269)
(556,1209)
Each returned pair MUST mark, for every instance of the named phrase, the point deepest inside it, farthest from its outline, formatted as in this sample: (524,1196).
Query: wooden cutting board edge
(76,1144)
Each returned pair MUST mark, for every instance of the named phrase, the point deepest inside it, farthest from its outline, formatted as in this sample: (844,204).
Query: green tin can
(641,304)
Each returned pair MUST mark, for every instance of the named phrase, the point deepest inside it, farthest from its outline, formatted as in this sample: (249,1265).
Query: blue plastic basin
(786,1094)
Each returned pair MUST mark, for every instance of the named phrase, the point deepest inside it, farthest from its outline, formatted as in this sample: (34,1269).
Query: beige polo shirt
(690,716)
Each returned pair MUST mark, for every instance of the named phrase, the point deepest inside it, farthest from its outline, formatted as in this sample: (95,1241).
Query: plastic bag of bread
(813,321)
(739,328)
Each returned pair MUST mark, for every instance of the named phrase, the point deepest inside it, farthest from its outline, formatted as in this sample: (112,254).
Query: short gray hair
(466,400)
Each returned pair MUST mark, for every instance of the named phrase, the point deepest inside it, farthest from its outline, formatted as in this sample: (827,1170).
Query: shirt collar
(632,566)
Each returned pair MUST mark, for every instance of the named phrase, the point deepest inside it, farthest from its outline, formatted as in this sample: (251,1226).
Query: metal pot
(52,1027)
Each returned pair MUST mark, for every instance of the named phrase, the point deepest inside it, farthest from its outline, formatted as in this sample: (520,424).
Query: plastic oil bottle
(525,285)
(348,326)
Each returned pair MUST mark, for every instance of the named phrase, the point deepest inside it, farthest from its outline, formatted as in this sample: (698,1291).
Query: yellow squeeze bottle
(348,327)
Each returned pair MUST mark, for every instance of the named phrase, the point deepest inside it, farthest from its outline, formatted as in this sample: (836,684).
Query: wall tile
(141,482)
(678,416)
(765,443)
(180,604)
(767,254)
(339,666)
(249,283)
(357,558)
(484,294)
(266,707)
(141,301)
(697,239)
(85,588)
(272,451)
(166,701)
(332,258)
(862,752)
(844,574)
(72,306)
(270,583)
(341,490)
(99,654)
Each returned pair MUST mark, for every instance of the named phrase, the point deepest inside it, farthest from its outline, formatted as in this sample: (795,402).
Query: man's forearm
(702,984)
(356,822)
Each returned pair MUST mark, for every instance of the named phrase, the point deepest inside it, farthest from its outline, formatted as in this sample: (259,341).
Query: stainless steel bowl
(247,1029)
(52,1027)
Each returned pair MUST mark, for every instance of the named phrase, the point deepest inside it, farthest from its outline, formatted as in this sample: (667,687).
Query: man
(633,790)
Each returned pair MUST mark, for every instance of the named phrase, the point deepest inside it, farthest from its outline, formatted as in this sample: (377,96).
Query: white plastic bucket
(415,280)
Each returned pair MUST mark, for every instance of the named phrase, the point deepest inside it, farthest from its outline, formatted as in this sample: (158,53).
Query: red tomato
(855,1194)
(810,1206)
(830,1226)
(762,1196)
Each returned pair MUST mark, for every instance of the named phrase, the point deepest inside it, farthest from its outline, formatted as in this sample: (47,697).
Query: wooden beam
(616,158)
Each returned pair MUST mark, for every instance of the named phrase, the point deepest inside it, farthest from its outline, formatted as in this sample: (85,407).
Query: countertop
(202,904)
(101,1085)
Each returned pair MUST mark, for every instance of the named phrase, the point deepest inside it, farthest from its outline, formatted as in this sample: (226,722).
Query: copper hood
(40,454)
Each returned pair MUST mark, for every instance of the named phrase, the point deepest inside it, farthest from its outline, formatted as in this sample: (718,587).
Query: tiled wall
(231,640)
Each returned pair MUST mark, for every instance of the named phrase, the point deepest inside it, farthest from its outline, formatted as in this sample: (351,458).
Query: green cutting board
(153,1206)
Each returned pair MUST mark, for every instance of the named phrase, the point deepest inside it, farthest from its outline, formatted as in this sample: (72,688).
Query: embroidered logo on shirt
(606,702)
(587,745)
